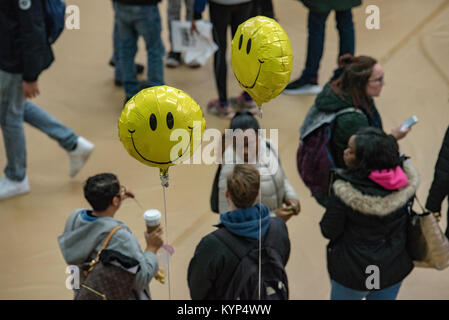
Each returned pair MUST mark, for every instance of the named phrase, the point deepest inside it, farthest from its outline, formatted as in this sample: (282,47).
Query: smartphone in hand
(409,122)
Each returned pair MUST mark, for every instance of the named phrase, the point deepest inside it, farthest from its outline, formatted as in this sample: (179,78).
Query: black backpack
(54,18)
(244,284)
(214,192)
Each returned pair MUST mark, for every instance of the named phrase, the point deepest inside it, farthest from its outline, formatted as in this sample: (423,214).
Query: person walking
(25,53)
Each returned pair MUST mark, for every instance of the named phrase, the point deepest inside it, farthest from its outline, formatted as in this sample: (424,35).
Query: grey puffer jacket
(82,239)
(275,188)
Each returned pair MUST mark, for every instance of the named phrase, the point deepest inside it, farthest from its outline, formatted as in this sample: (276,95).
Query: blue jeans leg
(389,293)
(345,27)
(315,43)
(11,122)
(125,19)
(339,292)
(148,25)
(115,57)
(46,123)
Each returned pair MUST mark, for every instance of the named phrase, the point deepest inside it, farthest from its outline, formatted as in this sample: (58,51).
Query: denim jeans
(115,58)
(134,21)
(14,110)
(339,292)
(315,43)
(174,13)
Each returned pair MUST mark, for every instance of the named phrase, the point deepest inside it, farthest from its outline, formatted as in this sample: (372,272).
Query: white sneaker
(10,188)
(79,156)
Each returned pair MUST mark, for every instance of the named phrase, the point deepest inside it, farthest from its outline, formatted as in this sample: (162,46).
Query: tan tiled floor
(412,45)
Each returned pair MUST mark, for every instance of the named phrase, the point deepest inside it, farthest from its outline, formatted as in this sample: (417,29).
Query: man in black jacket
(24,53)
(214,262)
(440,185)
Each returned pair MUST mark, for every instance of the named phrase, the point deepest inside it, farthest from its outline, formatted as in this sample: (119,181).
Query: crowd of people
(371,183)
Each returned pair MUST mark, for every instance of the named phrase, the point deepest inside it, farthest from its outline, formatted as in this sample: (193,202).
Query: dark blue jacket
(24,46)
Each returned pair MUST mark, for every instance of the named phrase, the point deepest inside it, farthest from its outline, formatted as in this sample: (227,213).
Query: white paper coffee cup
(152,219)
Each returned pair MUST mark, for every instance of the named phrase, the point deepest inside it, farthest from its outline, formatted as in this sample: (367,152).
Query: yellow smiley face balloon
(161,126)
(262,58)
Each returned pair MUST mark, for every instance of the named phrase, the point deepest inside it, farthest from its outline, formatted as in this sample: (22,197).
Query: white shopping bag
(198,47)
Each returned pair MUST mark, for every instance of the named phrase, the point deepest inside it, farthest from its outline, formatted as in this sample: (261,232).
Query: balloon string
(166,241)
(260,226)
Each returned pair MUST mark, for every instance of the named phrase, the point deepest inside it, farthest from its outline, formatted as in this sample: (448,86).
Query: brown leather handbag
(103,280)
(426,243)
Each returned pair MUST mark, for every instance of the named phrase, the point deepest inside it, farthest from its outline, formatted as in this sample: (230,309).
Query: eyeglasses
(380,79)
(122,192)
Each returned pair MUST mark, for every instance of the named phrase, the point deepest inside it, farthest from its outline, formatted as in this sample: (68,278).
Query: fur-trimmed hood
(378,205)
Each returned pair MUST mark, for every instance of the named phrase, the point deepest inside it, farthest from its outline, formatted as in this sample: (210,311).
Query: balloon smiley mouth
(257,77)
(157,162)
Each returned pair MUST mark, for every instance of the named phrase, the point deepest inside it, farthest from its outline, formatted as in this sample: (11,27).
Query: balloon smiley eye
(248,46)
(153,122)
(170,120)
(240,41)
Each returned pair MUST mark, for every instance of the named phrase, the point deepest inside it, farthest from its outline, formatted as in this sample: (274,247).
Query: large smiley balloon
(262,58)
(148,122)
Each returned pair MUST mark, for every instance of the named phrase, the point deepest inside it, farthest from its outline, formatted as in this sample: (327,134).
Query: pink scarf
(390,179)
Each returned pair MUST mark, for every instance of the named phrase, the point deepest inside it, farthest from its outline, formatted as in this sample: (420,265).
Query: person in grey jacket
(276,191)
(86,229)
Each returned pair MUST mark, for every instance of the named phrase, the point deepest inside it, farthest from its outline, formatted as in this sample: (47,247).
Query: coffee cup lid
(152,217)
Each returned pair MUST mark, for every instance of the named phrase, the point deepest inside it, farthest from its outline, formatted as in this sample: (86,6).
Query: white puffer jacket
(275,188)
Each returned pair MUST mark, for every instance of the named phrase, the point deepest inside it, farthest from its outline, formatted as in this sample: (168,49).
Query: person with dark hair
(440,184)
(319,10)
(214,265)
(276,191)
(86,229)
(366,219)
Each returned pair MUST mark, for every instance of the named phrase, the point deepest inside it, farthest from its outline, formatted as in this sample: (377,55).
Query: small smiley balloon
(262,58)
(161,126)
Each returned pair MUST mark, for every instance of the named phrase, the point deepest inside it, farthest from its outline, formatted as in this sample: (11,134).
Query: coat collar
(375,205)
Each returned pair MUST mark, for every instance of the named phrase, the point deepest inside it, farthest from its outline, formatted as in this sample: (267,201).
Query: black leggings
(221,17)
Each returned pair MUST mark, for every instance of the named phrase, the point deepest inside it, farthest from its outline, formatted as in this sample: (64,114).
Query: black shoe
(301,86)
(173,59)
(139,67)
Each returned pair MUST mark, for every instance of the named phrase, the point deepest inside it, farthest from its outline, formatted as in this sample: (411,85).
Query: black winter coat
(213,264)
(440,185)
(24,46)
(367,225)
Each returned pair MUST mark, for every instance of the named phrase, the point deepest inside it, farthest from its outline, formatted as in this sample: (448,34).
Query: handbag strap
(104,245)
(437,215)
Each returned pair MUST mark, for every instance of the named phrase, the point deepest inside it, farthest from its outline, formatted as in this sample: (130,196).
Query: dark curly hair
(99,190)
(374,150)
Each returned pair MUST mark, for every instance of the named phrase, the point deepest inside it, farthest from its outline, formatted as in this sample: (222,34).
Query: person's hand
(398,133)
(294,206)
(193,28)
(154,240)
(284,213)
(30,89)
(128,194)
